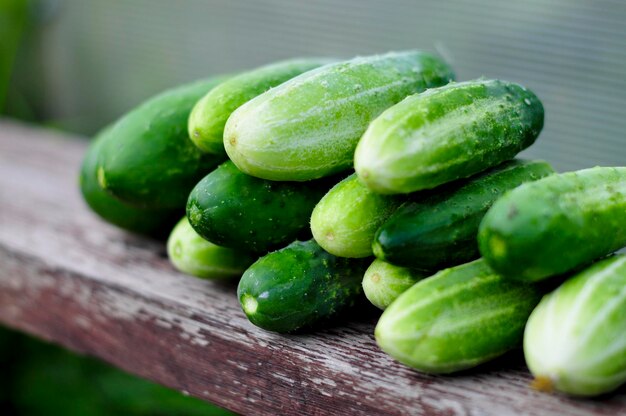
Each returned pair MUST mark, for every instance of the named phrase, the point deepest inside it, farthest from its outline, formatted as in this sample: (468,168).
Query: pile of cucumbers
(321,183)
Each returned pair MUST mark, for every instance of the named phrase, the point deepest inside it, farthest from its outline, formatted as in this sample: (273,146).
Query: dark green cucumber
(138,220)
(556,224)
(447,133)
(346,218)
(439,230)
(147,159)
(235,210)
(383,282)
(299,286)
(209,115)
(457,319)
(198,257)
(309,126)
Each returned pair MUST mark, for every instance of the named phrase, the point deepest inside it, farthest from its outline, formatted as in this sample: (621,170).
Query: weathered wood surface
(67,277)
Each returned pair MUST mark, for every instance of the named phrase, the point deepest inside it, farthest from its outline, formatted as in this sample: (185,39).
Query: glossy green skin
(299,286)
(575,340)
(346,218)
(239,211)
(383,282)
(309,126)
(447,133)
(138,220)
(556,224)
(209,115)
(198,257)
(457,319)
(147,159)
(439,230)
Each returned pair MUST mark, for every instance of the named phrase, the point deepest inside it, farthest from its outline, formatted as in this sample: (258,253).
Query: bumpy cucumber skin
(439,230)
(556,224)
(198,257)
(447,133)
(235,210)
(299,286)
(457,319)
(138,220)
(308,127)
(147,159)
(575,340)
(346,218)
(209,115)
(384,282)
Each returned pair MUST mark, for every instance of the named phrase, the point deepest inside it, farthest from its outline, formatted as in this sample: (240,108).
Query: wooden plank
(67,277)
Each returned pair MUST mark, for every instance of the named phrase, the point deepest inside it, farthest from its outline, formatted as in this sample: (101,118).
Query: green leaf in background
(13,15)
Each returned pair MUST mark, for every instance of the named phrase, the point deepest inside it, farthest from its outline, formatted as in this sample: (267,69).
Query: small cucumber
(457,319)
(556,224)
(239,211)
(439,230)
(575,340)
(147,159)
(447,133)
(308,127)
(138,220)
(209,115)
(346,218)
(384,282)
(299,286)
(193,255)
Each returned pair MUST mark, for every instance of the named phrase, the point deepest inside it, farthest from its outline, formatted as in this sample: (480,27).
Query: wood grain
(67,277)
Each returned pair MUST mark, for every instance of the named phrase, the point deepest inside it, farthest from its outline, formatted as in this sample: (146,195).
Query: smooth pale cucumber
(198,257)
(575,340)
(439,230)
(209,115)
(346,218)
(299,286)
(457,319)
(147,159)
(138,220)
(556,224)
(447,133)
(239,211)
(384,282)
(308,127)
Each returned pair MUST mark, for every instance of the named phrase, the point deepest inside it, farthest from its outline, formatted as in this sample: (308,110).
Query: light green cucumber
(447,133)
(556,224)
(209,115)
(198,257)
(383,282)
(345,220)
(457,319)
(575,340)
(309,126)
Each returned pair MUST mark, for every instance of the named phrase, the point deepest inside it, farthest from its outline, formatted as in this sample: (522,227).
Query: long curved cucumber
(556,224)
(308,127)
(209,115)
(439,230)
(447,133)
(384,282)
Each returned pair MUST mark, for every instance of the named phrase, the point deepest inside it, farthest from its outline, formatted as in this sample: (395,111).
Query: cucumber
(439,230)
(209,115)
(308,127)
(299,286)
(147,159)
(193,255)
(346,218)
(575,340)
(457,319)
(556,224)
(384,282)
(235,210)
(137,220)
(447,133)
